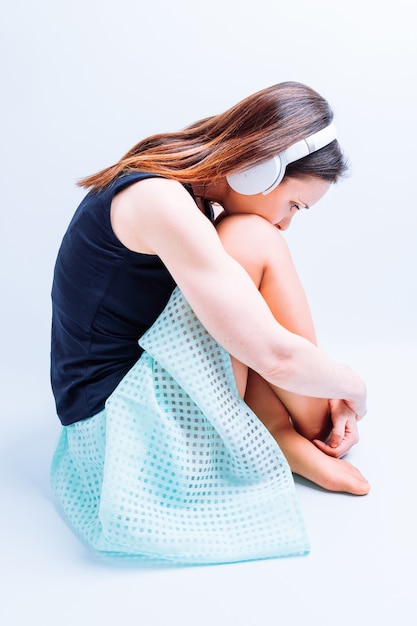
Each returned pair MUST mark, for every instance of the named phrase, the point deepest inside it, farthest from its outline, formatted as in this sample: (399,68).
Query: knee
(250,226)
(252,240)
(248,239)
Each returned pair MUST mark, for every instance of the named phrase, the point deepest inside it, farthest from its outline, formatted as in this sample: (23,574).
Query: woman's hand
(344,433)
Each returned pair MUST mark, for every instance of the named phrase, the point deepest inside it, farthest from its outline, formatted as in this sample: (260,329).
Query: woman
(161,453)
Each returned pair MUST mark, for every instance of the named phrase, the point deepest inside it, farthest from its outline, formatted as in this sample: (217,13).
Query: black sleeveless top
(104,298)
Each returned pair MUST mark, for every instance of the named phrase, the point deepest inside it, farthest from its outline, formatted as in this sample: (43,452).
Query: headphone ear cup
(257,179)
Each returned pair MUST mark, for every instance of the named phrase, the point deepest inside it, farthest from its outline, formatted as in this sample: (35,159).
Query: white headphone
(265,177)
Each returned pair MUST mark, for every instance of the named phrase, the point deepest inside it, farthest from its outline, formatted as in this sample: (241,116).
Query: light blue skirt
(177,467)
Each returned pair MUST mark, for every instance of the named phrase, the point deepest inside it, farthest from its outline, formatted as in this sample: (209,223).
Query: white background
(81,82)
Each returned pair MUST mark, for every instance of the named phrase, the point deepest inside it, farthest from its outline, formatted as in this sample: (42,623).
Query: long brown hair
(255,129)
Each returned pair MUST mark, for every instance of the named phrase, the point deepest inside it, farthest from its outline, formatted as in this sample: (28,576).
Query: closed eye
(295,206)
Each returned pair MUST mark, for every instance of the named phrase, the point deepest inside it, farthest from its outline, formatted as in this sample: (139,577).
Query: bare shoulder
(153,192)
(149,208)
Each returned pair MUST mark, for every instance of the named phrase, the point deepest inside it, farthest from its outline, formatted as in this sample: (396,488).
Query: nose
(285,223)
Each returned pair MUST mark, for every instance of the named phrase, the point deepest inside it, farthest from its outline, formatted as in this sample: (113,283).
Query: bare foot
(302,455)
(327,472)
(339,475)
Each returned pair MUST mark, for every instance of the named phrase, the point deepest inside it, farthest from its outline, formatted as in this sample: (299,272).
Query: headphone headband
(265,177)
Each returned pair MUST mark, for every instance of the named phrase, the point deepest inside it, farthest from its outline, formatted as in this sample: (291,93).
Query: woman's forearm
(304,369)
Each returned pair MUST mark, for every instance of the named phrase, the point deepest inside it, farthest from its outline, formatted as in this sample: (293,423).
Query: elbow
(279,369)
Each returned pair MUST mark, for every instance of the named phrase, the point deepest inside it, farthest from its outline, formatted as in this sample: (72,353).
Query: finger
(324,447)
(350,438)
(338,432)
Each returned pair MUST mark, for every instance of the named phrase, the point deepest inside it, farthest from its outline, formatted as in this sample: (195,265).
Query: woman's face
(280,205)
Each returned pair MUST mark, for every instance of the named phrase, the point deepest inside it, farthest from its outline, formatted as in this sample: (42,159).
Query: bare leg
(303,457)
(261,250)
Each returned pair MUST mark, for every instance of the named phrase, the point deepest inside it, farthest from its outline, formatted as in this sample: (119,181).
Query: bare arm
(158,216)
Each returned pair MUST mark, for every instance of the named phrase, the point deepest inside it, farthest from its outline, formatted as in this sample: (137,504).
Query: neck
(214,192)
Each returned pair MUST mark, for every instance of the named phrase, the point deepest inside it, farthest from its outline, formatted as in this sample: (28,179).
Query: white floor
(360,570)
